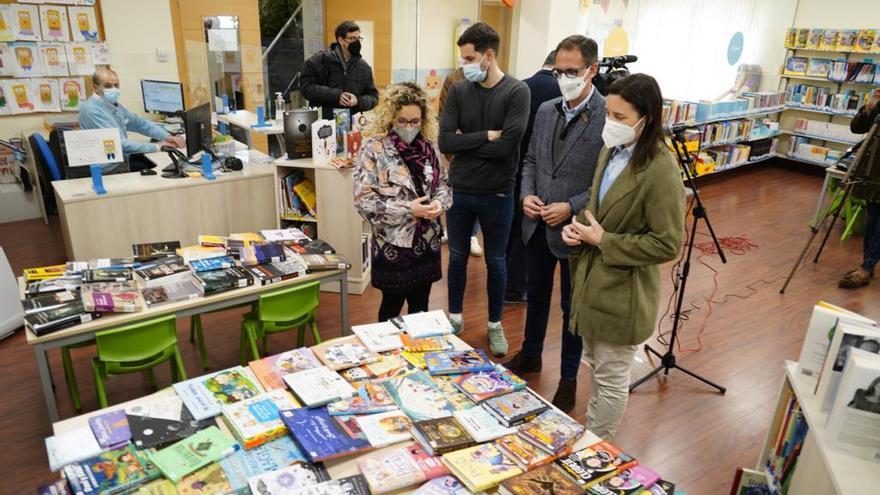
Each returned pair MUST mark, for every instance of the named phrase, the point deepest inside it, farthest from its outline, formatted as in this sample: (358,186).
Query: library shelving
(335,220)
(818,137)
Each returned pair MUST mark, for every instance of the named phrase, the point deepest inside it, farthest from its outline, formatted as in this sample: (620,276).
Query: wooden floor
(677,426)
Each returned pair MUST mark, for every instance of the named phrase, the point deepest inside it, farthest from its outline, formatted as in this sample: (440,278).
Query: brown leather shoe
(854,279)
(523,365)
(565,395)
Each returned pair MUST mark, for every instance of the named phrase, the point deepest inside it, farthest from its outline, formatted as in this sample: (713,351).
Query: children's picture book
(271,456)
(426,324)
(545,479)
(426,344)
(847,40)
(387,366)
(457,362)
(791,38)
(484,385)
(595,464)
(25,22)
(480,467)
(515,407)
(111,472)
(458,400)
(284,481)
(747,482)
(803,35)
(53,21)
(814,40)
(855,415)
(482,426)
(111,429)
(378,337)
(369,398)
(385,428)
(343,352)
(552,431)
(524,454)
(417,396)
(634,480)
(865,40)
(323,141)
(415,359)
(319,435)
(169,407)
(205,395)
(441,435)
(796,66)
(54,58)
(83,26)
(820,331)
(399,468)
(193,453)
(830,39)
(444,485)
(210,479)
(318,386)
(270,370)
(118,297)
(72,446)
(255,421)
(349,485)
(819,67)
(342,117)
(847,336)
(150,432)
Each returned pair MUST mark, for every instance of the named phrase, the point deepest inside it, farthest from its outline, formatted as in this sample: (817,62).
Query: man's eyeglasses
(570,73)
(352,40)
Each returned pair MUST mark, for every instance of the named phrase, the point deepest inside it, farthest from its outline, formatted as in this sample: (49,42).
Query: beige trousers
(610,366)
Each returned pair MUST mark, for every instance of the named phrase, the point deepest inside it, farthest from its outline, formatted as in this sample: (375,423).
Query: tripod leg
(698,377)
(645,378)
(833,221)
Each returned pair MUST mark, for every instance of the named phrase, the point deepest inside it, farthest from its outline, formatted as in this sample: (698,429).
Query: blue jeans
(872,236)
(541,267)
(495,214)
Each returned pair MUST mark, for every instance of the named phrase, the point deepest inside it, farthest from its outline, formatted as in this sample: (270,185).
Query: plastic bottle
(279,107)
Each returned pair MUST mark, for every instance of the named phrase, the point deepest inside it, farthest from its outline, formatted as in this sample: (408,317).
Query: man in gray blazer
(557,173)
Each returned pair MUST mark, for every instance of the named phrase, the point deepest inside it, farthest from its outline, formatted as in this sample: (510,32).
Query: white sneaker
(476,249)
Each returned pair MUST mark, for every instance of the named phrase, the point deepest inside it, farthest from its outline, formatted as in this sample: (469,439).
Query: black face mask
(354,48)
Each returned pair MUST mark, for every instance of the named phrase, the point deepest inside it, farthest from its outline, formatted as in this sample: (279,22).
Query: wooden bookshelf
(336,220)
(819,468)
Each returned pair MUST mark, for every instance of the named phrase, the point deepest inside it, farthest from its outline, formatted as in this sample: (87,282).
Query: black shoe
(510,299)
(522,364)
(565,395)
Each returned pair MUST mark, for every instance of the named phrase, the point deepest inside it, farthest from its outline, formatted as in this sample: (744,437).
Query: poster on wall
(26,59)
(54,57)
(5,60)
(46,98)
(25,22)
(83,25)
(73,91)
(4,103)
(53,21)
(79,59)
(5,24)
(18,94)
(100,53)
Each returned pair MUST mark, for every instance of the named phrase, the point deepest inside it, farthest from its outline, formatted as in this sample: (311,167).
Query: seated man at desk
(102,111)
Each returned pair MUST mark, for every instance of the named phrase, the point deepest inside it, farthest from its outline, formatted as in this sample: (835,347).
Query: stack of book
(298,197)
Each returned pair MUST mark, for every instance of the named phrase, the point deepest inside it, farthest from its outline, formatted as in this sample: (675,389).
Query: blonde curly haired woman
(402,190)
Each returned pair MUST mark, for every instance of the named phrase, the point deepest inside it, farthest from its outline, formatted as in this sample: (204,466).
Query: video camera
(614,69)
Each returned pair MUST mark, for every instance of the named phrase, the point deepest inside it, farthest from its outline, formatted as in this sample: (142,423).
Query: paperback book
(163,271)
(633,481)
(112,297)
(444,485)
(288,480)
(255,421)
(399,468)
(43,272)
(205,395)
(271,456)
(523,453)
(217,281)
(270,370)
(441,435)
(182,290)
(154,250)
(482,426)
(388,365)
(278,271)
(291,235)
(369,398)
(344,352)
(44,302)
(415,359)
(213,263)
(547,479)
(796,66)
(322,262)
(418,397)
(458,400)
(515,407)
(552,431)
(194,253)
(595,464)
(385,428)
(484,385)
(253,253)
(149,432)
(193,453)
(457,362)
(480,467)
(208,480)
(93,275)
(426,344)
(378,337)
(53,320)
(38,287)
(111,429)
(111,472)
(319,435)
(427,324)
(854,422)
(72,446)
(318,386)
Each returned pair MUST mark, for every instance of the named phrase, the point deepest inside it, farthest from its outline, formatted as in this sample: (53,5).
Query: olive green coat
(616,288)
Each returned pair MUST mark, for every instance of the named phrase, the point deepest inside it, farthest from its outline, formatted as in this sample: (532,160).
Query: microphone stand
(668,359)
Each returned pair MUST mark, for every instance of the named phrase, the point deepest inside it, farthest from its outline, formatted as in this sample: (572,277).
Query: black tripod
(667,359)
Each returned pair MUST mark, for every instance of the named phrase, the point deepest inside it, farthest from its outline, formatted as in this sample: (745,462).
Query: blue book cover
(319,435)
(456,362)
(271,456)
(214,263)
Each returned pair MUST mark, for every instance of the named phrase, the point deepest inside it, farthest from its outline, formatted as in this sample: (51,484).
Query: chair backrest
(59,151)
(289,304)
(138,341)
(45,157)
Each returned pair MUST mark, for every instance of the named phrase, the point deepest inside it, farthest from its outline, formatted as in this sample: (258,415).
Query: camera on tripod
(614,69)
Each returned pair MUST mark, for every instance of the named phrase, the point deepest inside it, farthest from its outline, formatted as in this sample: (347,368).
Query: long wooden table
(338,468)
(86,331)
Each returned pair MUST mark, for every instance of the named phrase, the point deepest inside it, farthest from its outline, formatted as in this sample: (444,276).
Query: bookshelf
(819,468)
(336,220)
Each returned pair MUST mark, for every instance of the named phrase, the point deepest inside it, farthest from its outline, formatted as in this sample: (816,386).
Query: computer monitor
(197,125)
(162,96)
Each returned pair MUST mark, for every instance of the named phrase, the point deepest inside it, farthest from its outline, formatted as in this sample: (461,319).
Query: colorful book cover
(342,353)
(482,426)
(803,36)
(417,396)
(58,487)
(830,39)
(545,479)
(456,362)
(285,481)
(181,290)
(378,337)
(819,67)
(399,468)
(487,384)
(515,406)
(815,39)
(524,454)
(796,66)
(210,480)
(369,398)
(416,359)
(270,370)
(111,429)
(847,40)
(791,38)
(342,116)
(594,464)
(552,431)
(290,234)
(149,432)
(865,40)
(427,344)
(255,421)
(388,365)
(458,400)
(318,386)
(271,456)
(441,435)
(632,481)
(663,487)
(110,472)
(156,487)
(385,428)
(205,395)
(198,252)
(481,467)
(253,253)
(93,275)
(154,250)
(319,435)
(444,485)
(43,272)
(193,453)
(214,263)
(212,241)
(349,485)
(118,297)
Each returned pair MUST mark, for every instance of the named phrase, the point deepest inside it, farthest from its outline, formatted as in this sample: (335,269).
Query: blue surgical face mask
(474,72)
(111,95)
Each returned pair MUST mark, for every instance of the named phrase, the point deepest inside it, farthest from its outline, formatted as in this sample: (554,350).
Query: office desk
(138,209)
(86,331)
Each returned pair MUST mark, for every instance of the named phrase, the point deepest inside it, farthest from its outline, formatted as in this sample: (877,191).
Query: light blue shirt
(619,160)
(570,113)
(98,113)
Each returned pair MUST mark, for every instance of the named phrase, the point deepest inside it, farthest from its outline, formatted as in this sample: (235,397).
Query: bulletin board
(48,51)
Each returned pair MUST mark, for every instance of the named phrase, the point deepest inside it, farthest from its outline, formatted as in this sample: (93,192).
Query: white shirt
(619,160)
(571,112)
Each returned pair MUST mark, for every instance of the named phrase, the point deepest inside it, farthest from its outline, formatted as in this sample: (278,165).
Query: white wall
(537,28)
(437,22)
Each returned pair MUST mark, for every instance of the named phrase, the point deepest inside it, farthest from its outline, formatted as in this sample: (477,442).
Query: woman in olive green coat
(633,223)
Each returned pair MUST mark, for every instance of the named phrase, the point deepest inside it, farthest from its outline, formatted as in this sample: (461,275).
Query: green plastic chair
(196,334)
(69,374)
(281,311)
(137,347)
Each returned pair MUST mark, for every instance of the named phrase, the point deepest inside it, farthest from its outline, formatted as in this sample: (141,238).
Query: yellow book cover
(43,272)
(481,467)
(156,487)
(802,36)
(246,236)
(416,359)
(305,191)
(210,480)
(814,40)
(212,241)
(791,38)
(865,41)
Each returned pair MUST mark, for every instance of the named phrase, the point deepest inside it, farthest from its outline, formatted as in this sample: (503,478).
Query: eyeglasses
(352,40)
(409,123)
(570,73)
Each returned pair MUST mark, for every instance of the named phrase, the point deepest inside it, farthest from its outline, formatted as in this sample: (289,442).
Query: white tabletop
(246,119)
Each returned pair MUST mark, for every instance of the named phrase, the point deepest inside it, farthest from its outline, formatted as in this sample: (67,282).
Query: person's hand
(532,206)
(873,100)
(176,141)
(493,135)
(555,213)
(590,234)
(348,99)
(570,236)
(435,209)
(420,208)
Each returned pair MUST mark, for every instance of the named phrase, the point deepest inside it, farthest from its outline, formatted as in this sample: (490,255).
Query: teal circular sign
(735,48)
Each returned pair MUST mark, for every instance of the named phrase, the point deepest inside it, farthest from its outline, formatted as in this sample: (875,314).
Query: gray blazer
(570,176)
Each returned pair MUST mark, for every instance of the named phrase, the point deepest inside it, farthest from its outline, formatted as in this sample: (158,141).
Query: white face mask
(617,134)
(474,72)
(572,87)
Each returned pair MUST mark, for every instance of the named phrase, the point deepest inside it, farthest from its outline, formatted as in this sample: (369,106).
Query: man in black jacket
(861,124)
(339,77)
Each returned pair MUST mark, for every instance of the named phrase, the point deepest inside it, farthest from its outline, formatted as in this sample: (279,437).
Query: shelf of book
(821,138)
(739,141)
(801,159)
(819,468)
(752,113)
(826,80)
(819,110)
